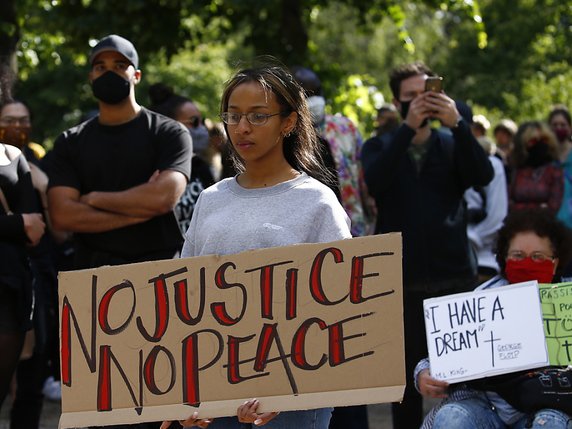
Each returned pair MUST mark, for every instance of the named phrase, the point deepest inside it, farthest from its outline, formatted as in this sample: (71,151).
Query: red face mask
(15,136)
(562,134)
(526,270)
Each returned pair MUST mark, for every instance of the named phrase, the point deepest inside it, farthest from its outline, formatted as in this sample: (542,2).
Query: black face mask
(110,88)
(538,155)
(405,110)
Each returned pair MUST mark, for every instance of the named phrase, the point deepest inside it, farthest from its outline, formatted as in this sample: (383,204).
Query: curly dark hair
(542,223)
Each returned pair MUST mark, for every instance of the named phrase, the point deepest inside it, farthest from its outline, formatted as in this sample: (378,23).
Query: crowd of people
(474,205)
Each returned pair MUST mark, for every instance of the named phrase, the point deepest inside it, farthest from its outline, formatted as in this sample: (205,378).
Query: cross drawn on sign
(556,300)
(485,332)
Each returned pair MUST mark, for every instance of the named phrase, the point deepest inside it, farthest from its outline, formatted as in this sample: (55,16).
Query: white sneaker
(52,390)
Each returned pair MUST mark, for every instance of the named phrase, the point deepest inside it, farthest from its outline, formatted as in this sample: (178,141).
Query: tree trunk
(9,37)
(293,32)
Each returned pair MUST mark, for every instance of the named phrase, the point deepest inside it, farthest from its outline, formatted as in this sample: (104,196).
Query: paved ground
(379,416)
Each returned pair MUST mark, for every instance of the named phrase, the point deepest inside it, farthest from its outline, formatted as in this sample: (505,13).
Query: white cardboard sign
(482,333)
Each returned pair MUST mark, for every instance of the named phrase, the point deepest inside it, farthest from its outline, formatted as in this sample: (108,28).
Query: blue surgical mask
(200,136)
(317,105)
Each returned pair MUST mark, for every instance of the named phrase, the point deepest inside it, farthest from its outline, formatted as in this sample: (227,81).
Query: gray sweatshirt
(231,219)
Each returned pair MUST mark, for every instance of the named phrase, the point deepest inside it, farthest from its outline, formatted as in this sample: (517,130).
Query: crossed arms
(105,211)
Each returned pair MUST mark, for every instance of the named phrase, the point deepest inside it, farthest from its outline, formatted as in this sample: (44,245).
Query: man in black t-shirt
(115,179)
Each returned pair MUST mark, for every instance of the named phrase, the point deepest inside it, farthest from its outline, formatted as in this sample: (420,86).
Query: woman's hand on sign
(246,413)
(429,386)
(194,420)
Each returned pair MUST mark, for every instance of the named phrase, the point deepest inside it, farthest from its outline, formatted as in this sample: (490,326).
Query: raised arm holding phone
(417,176)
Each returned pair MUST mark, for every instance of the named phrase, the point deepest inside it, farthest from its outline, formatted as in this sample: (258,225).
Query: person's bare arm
(68,213)
(156,197)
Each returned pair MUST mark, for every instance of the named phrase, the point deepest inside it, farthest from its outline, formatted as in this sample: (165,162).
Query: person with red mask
(532,245)
(15,128)
(560,122)
(21,229)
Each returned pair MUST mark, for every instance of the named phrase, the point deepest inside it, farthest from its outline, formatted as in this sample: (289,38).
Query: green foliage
(507,58)
(524,38)
(540,92)
(198,75)
(359,100)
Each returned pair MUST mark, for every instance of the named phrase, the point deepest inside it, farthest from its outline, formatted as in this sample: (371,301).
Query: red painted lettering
(316,287)
(299,344)
(218,309)
(357,276)
(191,368)
(105,303)
(336,341)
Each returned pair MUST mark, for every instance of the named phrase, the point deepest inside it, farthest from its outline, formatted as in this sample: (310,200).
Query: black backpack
(532,390)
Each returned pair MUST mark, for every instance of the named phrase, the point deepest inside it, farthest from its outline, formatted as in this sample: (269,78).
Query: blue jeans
(546,419)
(477,413)
(304,419)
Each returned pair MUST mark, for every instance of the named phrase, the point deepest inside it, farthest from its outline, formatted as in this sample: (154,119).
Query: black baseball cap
(116,43)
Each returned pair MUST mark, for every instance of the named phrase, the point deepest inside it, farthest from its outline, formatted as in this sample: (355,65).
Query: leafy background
(507,58)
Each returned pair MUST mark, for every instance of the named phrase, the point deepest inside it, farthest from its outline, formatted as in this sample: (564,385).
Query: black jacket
(427,206)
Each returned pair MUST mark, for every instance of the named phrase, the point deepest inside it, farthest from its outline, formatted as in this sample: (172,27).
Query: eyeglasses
(12,120)
(517,255)
(254,118)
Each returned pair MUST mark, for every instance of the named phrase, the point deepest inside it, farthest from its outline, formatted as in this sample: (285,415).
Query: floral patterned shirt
(345,143)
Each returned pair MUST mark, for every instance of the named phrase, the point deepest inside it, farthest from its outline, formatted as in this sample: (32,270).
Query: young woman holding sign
(278,199)
(531,245)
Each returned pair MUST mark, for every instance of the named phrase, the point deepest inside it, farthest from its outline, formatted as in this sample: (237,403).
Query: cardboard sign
(478,334)
(297,327)
(556,300)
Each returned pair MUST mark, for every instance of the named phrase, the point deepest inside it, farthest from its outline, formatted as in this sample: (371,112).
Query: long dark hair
(301,147)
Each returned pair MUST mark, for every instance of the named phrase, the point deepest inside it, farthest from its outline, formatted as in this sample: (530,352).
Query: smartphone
(434,83)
